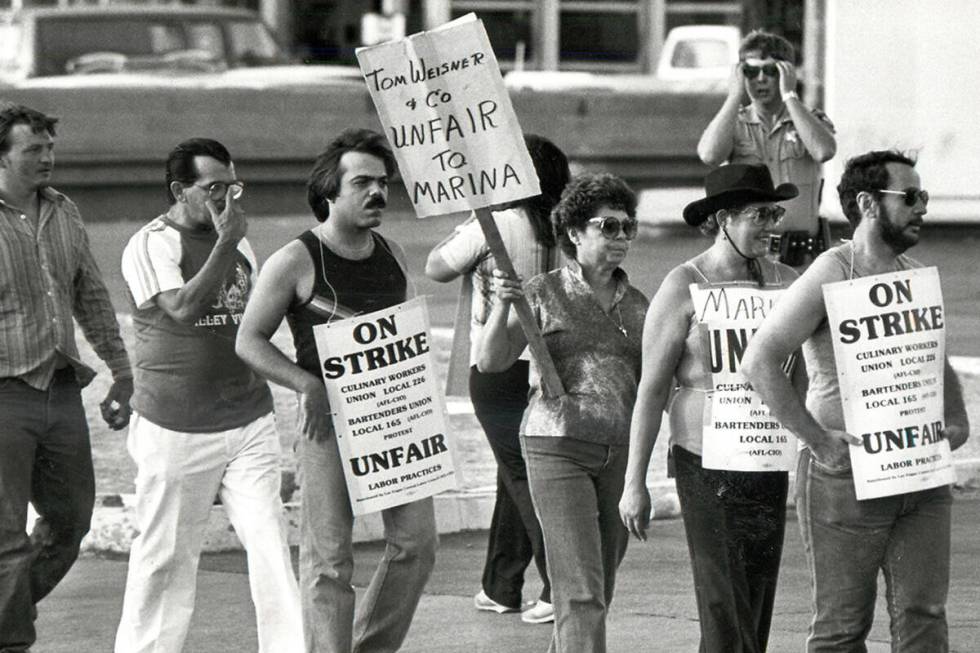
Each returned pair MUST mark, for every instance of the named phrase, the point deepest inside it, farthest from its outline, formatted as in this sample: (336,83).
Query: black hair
(866,172)
(180,161)
(768,45)
(12,114)
(551,164)
(324,181)
(582,197)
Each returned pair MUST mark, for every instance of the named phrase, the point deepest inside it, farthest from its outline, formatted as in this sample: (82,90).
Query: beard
(894,236)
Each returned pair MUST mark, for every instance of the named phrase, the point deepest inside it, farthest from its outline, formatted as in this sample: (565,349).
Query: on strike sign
(889,338)
(449,119)
(388,413)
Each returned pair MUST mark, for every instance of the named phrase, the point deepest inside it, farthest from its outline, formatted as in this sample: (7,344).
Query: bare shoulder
(290,262)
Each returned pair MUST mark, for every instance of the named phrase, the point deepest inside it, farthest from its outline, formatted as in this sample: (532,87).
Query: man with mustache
(775,129)
(47,277)
(339,269)
(202,421)
(847,541)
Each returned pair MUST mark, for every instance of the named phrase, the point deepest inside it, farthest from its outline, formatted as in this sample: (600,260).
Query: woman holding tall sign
(730,457)
(499,398)
(575,444)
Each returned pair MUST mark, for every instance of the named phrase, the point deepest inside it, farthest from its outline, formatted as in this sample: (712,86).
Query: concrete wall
(906,74)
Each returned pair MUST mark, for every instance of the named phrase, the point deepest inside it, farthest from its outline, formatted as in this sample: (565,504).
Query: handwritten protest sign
(388,413)
(739,433)
(448,117)
(889,341)
(451,125)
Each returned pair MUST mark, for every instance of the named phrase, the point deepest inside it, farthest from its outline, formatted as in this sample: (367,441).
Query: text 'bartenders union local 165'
(739,431)
(889,339)
(388,413)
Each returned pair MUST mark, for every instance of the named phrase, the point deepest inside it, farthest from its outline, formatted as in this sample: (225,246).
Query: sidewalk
(653,611)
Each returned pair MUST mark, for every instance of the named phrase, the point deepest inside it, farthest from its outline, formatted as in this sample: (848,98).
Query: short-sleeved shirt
(783,152)
(187,376)
(823,393)
(596,354)
(467,252)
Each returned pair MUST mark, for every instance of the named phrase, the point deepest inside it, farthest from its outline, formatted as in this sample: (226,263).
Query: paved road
(653,611)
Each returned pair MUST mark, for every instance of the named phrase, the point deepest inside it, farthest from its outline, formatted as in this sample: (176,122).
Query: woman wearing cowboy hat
(734,519)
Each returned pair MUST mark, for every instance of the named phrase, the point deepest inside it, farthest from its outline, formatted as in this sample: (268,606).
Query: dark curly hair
(324,181)
(180,162)
(580,200)
(768,45)
(12,114)
(866,172)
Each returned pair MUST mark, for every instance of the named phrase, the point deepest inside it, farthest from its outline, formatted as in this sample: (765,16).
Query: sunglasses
(763,215)
(218,189)
(610,226)
(910,195)
(751,72)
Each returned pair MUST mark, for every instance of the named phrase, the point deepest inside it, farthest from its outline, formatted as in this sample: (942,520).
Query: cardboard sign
(449,119)
(738,432)
(388,413)
(889,340)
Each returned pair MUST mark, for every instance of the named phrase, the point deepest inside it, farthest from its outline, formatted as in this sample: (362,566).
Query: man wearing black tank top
(338,269)
(847,541)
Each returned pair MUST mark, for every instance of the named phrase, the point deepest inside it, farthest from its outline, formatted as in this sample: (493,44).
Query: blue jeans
(576,486)
(847,541)
(45,459)
(326,562)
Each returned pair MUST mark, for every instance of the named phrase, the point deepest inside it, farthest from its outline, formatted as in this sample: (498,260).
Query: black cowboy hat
(733,185)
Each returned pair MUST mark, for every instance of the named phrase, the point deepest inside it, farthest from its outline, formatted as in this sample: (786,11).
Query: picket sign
(459,146)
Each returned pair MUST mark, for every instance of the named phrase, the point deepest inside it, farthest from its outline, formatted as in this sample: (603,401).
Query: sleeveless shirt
(342,288)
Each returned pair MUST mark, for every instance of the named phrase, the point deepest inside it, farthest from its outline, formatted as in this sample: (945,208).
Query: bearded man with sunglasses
(202,421)
(906,536)
(775,129)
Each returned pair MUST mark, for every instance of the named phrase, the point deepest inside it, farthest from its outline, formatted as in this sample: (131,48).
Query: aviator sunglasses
(610,226)
(768,69)
(910,195)
(763,215)
(217,190)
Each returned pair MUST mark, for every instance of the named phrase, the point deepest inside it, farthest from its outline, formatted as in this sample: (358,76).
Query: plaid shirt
(47,276)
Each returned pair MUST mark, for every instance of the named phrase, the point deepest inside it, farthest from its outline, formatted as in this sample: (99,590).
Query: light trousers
(178,478)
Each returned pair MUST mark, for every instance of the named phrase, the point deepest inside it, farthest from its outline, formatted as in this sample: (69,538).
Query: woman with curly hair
(575,445)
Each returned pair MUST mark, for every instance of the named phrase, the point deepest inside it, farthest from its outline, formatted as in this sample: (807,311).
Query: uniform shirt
(188,377)
(596,354)
(467,252)
(783,152)
(47,276)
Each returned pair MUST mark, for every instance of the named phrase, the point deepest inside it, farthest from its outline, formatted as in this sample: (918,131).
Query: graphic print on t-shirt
(229,304)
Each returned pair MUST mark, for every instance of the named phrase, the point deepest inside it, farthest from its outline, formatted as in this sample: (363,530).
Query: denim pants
(735,522)
(499,400)
(177,479)
(847,541)
(45,459)
(326,562)
(576,486)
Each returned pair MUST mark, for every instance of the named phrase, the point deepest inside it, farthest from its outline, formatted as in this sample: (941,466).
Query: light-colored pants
(906,536)
(326,562)
(179,475)
(576,486)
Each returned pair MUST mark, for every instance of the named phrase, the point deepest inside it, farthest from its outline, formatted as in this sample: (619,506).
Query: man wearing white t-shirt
(203,421)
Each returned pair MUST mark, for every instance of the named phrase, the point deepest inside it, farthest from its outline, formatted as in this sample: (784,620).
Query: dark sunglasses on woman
(611,226)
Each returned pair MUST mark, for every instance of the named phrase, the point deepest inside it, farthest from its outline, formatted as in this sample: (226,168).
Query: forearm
(815,135)
(954,407)
(765,374)
(718,138)
(644,429)
(497,351)
(193,300)
(269,362)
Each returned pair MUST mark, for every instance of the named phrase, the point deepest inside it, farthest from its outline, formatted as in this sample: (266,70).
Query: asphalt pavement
(653,609)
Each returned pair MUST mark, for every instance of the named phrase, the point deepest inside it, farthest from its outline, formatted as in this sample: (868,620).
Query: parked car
(169,39)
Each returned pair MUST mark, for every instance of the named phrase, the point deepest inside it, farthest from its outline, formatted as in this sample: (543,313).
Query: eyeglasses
(218,189)
(910,195)
(763,215)
(610,226)
(768,69)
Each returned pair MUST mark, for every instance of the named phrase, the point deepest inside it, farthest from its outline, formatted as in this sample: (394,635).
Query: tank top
(342,288)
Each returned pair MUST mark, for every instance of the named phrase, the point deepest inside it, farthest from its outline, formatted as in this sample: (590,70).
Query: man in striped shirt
(47,277)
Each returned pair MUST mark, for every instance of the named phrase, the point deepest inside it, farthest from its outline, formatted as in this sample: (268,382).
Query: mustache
(376,202)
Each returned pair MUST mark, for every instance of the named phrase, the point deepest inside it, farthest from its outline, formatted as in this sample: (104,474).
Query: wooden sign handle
(551,384)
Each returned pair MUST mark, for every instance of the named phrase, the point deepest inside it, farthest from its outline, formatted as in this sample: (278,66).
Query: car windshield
(700,53)
(252,45)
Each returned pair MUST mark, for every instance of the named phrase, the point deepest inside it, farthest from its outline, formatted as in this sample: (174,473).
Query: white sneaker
(539,613)
(483,602)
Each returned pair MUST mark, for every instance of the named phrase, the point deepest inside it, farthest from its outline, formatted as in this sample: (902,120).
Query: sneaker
(539,613)
(483,602)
